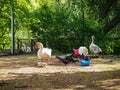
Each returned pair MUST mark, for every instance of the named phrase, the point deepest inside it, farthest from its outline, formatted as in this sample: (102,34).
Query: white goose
(43,53)
(93,47)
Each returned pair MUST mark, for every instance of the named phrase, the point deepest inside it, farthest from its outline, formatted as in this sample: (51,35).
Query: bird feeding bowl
(84,62)
(76,52)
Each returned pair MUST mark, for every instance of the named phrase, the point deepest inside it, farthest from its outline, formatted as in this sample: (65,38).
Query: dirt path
(24,64)
(12,67)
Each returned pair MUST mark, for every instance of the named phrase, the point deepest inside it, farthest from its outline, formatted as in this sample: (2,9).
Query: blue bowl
(84,62)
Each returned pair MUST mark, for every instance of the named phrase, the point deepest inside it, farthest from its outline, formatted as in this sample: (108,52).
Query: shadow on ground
(108,80)
(102,80)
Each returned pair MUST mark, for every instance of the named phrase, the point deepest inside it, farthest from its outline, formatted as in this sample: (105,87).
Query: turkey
(94,48)
(43,53)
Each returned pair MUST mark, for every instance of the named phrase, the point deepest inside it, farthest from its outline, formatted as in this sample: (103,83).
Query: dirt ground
(21,72)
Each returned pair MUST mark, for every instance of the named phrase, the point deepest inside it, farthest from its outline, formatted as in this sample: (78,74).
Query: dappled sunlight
(18,57)
(65,81)
(79,86)
(110,84)
(22,72)
(28,64)
(107,67)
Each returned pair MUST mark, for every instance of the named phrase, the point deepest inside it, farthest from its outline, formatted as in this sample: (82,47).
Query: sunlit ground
(22,73)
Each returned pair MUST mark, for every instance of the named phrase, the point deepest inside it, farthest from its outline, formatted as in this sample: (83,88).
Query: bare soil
(21,72)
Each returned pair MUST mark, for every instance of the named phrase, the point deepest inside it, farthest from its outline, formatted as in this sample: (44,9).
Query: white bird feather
(43,53)
(83,51)
(93,47)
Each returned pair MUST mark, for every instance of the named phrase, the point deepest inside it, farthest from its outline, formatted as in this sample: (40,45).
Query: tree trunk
(112,23)
(106,8)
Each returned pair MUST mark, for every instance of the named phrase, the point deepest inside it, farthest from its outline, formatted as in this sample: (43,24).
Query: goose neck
(92,40)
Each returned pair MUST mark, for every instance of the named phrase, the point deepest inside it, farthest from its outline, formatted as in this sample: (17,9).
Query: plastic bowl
(84,62)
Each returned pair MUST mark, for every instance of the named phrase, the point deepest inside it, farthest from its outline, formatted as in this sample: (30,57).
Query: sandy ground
(21,66)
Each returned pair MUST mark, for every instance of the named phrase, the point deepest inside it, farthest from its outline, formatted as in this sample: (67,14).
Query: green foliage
(56,24)
(58,27)
(56,52)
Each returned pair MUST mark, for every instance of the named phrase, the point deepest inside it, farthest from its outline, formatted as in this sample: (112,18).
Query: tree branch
(106,8)
(112,23)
